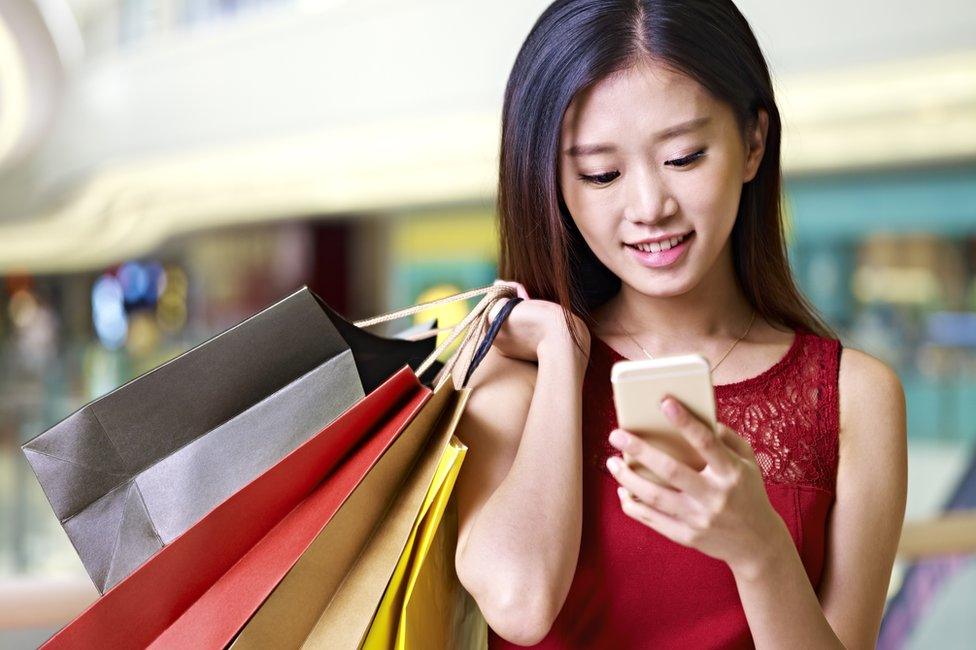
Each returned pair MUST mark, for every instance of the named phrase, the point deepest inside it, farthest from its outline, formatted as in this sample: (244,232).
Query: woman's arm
(864,527)
(872,484)
(520,489)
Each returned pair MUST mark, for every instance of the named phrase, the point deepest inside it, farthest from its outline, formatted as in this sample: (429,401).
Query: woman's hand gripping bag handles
(203,586)
(330,601)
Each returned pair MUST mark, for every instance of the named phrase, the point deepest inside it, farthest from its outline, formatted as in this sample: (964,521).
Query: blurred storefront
(890,258)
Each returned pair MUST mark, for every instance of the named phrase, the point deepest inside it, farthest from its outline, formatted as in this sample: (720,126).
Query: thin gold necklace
(711,368)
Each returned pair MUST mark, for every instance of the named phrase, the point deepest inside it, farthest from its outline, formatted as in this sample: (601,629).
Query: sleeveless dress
(635,588)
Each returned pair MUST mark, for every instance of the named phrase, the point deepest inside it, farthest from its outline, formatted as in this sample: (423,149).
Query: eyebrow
(666,134)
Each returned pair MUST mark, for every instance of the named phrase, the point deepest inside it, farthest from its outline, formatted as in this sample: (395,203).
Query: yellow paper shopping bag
(439,612)
(425,606)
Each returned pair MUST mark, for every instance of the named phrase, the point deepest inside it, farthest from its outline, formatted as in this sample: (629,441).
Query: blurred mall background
(169,167)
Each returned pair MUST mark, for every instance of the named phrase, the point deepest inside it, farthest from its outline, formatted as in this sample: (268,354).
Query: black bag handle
(489,338)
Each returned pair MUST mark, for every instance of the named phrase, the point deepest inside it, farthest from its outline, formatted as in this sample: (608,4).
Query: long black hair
(573,45)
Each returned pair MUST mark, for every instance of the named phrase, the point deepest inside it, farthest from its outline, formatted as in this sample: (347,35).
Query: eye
(687,160)
(599,179)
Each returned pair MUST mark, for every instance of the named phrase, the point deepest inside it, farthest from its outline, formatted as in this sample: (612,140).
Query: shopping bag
(133,613)
(382,632)
(438,611)
(214,619)
(131,471)
(336,559)
(216,574)
(327,601)
(337,514)
(416,609)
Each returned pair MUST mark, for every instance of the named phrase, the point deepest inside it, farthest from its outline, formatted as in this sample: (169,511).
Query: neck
(715,309)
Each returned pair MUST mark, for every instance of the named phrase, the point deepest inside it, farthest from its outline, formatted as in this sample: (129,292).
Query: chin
(665,290)
(662,286)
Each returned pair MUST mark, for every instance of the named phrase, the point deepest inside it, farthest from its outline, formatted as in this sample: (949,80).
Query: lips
(662,253)
(661,244)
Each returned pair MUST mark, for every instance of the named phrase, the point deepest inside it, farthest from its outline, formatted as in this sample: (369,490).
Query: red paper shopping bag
(348,503)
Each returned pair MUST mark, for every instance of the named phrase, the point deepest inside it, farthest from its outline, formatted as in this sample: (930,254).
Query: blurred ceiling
(329,107)
(38,41)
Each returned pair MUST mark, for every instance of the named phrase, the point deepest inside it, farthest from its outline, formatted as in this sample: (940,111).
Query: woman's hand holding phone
(721,510)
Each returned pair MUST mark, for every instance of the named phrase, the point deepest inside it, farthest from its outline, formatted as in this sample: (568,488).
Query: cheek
(598,234)
(712,201)
(701,190)
(593,215)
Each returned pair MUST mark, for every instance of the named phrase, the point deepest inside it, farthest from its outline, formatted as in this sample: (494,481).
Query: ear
(756,144)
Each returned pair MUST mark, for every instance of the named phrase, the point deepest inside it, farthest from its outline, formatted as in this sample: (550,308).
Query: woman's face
(651,168)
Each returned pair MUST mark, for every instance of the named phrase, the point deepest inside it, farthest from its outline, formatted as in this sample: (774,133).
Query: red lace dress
(635,588)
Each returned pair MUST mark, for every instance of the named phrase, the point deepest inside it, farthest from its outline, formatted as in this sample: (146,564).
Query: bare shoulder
(871,396)
(865,380)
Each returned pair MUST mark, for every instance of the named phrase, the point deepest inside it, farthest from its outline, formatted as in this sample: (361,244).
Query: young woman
(640,213)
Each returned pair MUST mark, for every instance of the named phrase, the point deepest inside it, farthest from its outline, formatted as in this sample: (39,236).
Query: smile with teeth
(658,246)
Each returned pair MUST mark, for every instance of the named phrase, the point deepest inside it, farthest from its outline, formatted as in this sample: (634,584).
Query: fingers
(668,468)
(670,502)
(700,435)
(496,309)
(519,289)
(738,444)
(659,521)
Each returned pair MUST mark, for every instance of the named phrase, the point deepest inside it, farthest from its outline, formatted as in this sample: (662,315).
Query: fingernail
(622,493)
(613,463)
(670,408)
(619,439)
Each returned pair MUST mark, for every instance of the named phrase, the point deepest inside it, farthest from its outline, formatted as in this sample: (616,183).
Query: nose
(649,200)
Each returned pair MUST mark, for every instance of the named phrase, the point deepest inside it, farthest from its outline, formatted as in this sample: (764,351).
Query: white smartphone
(639,386)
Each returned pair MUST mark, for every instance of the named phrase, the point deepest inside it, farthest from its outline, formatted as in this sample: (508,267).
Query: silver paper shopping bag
(129,472)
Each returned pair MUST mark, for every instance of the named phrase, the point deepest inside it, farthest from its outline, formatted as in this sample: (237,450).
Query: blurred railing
(49,603)
(953,533)
(42,602)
